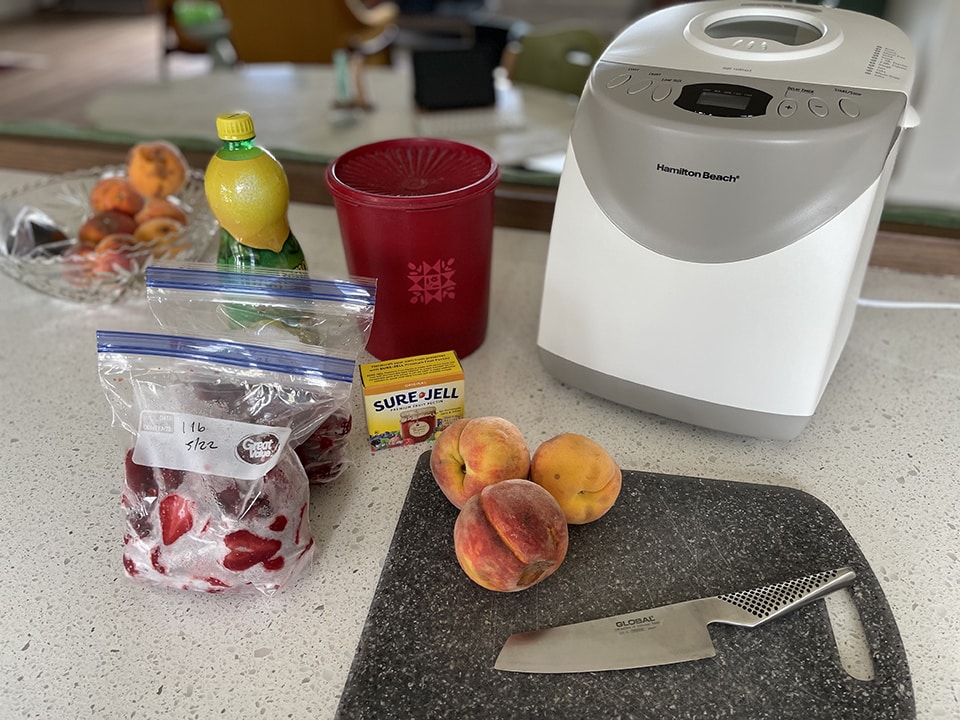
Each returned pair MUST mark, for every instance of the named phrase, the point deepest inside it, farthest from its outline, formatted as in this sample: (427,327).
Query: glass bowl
(38,244)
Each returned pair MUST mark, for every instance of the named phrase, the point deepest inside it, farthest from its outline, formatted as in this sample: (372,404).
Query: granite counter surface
(79,640)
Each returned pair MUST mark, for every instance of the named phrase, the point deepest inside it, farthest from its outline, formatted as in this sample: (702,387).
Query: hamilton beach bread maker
(720,195)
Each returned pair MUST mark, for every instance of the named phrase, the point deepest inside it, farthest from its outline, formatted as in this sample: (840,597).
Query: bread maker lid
(778,41)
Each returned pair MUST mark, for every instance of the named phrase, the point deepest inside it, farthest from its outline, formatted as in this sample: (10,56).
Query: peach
(157,168)
(157,207)
(162,233)
(475,452)
(78,266)
(579,473)
(510,536)
(115,193)
(98,226)
(115,253)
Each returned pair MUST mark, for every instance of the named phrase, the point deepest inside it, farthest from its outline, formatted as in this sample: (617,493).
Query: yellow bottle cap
(235,126)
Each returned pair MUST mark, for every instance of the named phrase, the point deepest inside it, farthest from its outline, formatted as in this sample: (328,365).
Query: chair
(556,57)
(195,28)
(310,31)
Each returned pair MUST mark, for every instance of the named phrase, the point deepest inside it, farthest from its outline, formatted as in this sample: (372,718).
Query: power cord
(907,305)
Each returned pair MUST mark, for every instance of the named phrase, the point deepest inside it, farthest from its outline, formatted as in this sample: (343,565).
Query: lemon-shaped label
(250,197)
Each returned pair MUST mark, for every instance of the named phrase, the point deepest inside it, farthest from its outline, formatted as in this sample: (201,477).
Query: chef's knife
(658,636)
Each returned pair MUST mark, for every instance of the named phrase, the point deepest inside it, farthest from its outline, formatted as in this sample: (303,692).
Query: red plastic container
(417,214)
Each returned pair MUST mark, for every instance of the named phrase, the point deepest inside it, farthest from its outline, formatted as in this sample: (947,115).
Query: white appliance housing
(717,208)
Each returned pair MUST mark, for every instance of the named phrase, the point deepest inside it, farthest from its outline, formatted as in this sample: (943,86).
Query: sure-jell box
(410,400)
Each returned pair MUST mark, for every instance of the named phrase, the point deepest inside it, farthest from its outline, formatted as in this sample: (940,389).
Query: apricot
(157,168)
(579,473)
(473,453)
(115,193)
(510,536)
(98,226)
(160,207)
(162,233)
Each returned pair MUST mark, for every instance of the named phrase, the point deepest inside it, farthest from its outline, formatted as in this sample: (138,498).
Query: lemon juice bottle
(249,195)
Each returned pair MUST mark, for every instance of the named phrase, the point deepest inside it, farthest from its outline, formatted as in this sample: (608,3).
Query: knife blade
(662,635)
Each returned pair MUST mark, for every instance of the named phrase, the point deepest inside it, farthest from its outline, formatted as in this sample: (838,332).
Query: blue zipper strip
(260,283)
(225,352)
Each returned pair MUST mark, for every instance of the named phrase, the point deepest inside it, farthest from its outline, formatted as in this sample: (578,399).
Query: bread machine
(720,195)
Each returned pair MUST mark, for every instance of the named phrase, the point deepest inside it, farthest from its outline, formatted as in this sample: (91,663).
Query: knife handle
(750,608)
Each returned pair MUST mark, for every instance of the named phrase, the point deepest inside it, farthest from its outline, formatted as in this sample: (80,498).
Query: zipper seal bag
(215,498)
(320,313)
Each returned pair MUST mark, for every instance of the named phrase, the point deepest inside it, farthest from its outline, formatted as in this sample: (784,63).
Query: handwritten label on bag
(212,446)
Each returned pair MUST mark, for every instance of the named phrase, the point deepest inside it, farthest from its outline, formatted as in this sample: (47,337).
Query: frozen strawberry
(171,479)
(323,454)
(321,472)
(139,520)
(155,561)
(140,478)
(230,500)
(338,424)
(176,517)
(274,563)
(221,534)
(247,550)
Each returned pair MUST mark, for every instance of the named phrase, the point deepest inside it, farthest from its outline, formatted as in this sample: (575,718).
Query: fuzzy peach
(117,252)
(580,474)
(98,226)
(157,207)
(162,233)
(115,193)
(475,452)
(510,536)
(157,168)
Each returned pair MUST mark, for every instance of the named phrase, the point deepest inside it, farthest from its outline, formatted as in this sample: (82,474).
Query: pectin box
(410,400)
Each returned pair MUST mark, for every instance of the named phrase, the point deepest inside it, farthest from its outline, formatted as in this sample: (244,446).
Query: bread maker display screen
(785,31)
(712,98)
(723,100)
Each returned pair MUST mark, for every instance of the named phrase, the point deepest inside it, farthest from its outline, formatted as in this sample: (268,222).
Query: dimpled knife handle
(750,608)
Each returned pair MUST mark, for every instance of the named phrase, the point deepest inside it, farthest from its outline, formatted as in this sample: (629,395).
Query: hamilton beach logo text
(702,174)
(258,449)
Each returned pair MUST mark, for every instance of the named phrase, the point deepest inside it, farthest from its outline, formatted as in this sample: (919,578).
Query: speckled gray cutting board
(431,637)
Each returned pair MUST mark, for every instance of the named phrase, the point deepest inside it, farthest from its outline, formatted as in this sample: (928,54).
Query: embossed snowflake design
(431,282)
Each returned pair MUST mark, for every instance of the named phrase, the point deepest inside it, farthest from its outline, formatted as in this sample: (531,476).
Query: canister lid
(413,173)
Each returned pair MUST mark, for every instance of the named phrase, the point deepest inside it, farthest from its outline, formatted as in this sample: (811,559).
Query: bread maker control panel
(671,93)
(645,136)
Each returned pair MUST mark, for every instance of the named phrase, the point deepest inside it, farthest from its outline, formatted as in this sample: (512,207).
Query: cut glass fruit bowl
(39,246)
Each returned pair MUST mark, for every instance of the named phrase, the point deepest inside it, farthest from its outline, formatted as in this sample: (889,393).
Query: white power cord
(907,305)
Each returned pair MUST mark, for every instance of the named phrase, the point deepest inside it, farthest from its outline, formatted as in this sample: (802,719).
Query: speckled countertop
(79,640)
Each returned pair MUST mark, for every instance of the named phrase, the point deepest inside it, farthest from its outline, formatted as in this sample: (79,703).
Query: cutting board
(431,636)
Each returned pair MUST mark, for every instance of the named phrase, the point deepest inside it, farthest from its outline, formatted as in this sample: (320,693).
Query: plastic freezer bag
(214,496)
(321,314)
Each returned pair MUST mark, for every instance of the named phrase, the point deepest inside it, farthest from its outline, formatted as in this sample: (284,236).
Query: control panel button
(618,80)
(818,107)
(661,92)
(787,107)
(639,86)
(849,107)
